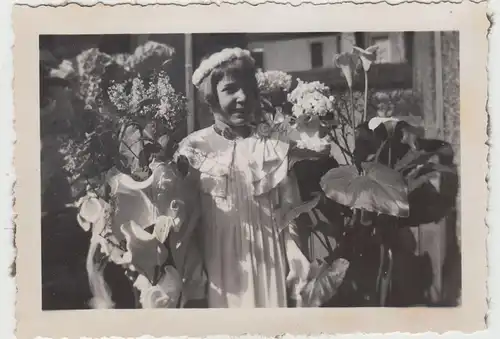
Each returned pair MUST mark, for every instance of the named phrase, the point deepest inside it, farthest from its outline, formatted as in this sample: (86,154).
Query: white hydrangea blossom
(272,81)
(311,98)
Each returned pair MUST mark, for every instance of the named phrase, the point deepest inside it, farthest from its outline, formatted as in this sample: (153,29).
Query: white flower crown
(217,59)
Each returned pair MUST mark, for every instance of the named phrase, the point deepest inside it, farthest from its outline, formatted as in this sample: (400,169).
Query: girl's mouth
(239,111)
(239,114)
(238,118)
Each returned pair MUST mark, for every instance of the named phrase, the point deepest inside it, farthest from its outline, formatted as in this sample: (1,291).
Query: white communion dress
(249,248)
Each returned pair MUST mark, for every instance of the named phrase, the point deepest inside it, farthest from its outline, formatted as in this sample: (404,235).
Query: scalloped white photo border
(8,138)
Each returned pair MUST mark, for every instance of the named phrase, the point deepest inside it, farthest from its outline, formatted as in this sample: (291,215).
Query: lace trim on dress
(268,159)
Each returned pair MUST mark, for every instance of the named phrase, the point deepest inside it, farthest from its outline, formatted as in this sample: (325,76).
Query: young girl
(248,246)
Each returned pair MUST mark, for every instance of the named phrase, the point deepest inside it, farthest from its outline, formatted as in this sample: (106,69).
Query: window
(316,54)
(360,39)
(258,55)
(408,38)
(391,46)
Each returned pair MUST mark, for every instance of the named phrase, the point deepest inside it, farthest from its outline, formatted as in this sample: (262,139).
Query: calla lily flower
(389,122)
(367,56)
(91,209)
(347,63)
(165,294)
(144,251)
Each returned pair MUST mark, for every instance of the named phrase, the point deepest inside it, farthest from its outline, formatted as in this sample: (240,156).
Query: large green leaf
(428,173)
(423,156)
(413,158)
(378,189)
(325,282)
(420,167)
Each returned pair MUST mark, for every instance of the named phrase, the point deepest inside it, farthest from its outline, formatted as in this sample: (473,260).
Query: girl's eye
(230,89)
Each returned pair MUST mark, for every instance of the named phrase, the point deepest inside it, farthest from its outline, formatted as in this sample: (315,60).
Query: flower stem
(323,243)
(353,115)
(337,142)
(366,97)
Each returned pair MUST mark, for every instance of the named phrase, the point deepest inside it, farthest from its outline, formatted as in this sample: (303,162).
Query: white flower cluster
(311,98)
(64,71)
(273,81)
(313,143)
(167,104)
(92,60)
(121,59)
(91,65)
(149,50)
(75,156)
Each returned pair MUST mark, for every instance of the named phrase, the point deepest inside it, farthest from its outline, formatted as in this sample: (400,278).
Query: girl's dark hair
(242,69)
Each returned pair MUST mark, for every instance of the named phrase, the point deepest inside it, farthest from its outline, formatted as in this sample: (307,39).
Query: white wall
(294,55)
(348,40)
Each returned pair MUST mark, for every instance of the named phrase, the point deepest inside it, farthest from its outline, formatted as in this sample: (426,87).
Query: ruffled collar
(211,152)
(229,133)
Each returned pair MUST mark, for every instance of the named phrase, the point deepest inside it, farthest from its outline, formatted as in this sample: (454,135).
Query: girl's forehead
(235,77)
(229,77)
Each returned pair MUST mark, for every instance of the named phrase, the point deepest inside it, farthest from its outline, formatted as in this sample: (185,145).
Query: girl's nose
(241,96)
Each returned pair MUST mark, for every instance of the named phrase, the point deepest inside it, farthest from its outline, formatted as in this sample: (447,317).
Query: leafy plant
(390,161)
(385,175)
(124,111)
(124,114)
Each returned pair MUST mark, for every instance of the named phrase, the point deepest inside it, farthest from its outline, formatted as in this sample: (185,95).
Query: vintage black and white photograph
(250,170)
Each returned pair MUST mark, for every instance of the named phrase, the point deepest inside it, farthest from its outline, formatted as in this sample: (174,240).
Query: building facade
(302,52)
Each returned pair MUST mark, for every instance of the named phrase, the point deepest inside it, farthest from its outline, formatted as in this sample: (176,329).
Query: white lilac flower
(169,106)
(91,65)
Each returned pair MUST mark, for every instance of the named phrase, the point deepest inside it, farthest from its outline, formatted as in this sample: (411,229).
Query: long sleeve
(187,257)
(185,244)
(299,266)
(194,274)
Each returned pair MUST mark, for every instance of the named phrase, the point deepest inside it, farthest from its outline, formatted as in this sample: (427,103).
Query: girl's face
(237,100)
